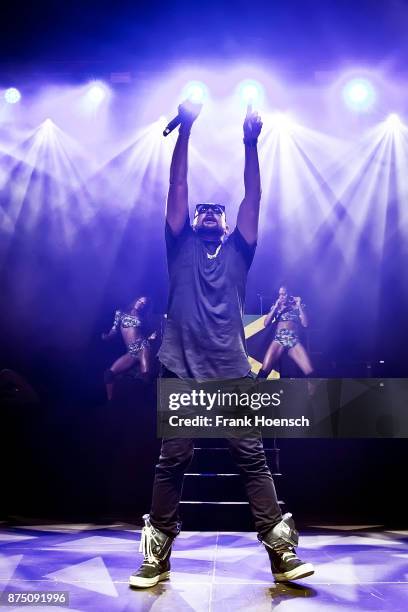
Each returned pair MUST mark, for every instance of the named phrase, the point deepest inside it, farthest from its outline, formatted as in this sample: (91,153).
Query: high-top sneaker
(280,543)
(156,549)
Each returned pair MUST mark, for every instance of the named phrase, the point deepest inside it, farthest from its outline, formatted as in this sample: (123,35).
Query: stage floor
(357,568)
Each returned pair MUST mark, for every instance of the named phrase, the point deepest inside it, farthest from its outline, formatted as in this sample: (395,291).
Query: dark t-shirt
(204,334)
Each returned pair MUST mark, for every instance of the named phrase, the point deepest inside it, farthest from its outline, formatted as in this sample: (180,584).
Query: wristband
(252,142)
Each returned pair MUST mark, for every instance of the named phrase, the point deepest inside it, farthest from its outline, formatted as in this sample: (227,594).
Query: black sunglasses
(217,209)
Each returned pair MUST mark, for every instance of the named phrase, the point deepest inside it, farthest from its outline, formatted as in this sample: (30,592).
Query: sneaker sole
(143,583)
(302,571)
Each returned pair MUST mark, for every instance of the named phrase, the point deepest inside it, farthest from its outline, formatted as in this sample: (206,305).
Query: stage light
(359,95)
(251,92)
(96,93)
(393,122)
(47,125)
(195,91)
(45,132)
(12,95)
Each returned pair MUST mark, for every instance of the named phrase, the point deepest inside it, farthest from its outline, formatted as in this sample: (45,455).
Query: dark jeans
(175,457)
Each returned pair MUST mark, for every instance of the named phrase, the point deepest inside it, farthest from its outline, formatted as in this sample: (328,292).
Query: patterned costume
(288,338)
(124,320)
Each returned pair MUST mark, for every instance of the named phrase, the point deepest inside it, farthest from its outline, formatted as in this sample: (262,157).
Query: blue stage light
(48,124)
(359,95)
(96,93)
(393,122)
(251,92)
(12,95)
(195,91)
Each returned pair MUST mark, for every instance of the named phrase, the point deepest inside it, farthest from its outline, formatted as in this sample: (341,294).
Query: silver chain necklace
(215,254)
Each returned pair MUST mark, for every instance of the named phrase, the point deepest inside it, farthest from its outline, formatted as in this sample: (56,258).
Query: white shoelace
(288,555)
(145,546)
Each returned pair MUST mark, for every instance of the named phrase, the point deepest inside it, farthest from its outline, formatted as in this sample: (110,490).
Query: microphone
(172,125)
(189,108)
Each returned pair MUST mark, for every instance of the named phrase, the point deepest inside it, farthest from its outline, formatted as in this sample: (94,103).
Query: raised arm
(177,199)
(114,329)
(302,313)
(271,314)
(248,214)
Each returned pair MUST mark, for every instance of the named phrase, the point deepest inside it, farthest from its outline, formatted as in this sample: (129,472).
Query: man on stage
(204,339)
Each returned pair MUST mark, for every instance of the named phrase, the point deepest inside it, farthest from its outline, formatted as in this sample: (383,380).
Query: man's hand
(248,213)
(252,125)
(188,112)
(298,301)
(177,199)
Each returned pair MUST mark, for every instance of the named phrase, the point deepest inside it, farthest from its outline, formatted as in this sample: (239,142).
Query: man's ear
(227,230)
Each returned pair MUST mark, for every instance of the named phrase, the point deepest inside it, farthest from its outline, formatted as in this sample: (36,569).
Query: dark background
(305,35)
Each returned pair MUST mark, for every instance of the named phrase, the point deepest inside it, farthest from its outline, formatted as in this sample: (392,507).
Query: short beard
(211,234)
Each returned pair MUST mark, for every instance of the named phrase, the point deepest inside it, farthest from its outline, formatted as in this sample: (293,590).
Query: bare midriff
(131,334)
(287,325)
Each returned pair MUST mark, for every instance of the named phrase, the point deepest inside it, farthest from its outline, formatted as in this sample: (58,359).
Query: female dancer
(133,326)
(288,313)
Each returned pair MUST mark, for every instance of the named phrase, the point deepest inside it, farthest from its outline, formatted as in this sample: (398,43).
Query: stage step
(213,487)
(213,493)
(209,475)
(219,460)
(217,516)
(222,503)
